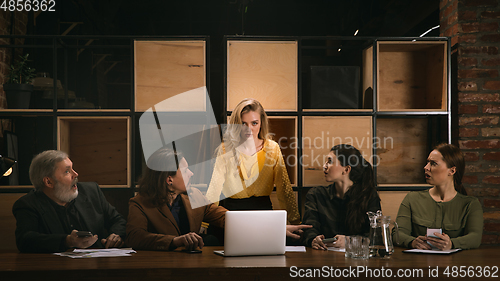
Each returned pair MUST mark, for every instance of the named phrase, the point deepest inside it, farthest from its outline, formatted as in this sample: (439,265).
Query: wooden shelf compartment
(321,133)
(263,70)
(332,72)
(412,76)
(334,87)
(284,130)
(164,69)
(99,148)
(402,150)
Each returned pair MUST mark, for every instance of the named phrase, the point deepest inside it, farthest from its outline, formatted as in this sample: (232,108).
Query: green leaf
(20,72)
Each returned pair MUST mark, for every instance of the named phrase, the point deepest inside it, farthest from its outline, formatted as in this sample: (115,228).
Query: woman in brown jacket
(160,216)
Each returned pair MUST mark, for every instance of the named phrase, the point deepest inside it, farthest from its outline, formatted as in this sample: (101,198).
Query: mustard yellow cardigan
(244,177)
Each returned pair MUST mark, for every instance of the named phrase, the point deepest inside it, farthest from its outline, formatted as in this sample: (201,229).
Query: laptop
(254,233)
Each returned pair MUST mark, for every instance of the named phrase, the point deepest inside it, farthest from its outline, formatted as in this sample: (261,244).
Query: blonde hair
(231,138)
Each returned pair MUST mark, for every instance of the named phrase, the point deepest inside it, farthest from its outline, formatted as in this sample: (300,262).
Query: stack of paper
(97,253)
(432,251)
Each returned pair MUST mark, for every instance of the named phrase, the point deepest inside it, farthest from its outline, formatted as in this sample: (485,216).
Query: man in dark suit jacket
(49,217)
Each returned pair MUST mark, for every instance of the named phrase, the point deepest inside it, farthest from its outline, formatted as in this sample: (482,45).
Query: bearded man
(53,217)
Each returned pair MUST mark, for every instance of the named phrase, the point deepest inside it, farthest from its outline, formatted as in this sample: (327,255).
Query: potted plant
(18,87)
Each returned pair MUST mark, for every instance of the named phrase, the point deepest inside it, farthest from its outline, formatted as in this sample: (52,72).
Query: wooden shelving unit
(395,88)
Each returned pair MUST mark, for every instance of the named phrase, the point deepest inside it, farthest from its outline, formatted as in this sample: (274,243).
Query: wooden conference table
(152,265)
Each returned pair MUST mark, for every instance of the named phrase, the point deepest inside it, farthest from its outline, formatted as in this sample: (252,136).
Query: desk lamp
(6,164)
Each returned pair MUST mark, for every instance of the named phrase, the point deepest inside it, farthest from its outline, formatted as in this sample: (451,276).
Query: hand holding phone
(330,240)
(430,233)
(80,239)
(82,234)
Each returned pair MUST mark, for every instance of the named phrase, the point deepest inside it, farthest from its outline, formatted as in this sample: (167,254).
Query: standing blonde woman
(249,164)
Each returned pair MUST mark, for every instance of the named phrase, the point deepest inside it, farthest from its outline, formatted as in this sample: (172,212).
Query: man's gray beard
(64,195)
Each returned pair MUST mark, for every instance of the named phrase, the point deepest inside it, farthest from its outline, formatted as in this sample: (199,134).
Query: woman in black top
(340,208)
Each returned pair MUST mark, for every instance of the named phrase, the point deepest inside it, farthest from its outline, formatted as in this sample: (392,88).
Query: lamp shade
(5,164)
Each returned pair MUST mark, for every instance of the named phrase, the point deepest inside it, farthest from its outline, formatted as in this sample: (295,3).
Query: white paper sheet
(295,249)
(336,249)
(432,251)
(97,253)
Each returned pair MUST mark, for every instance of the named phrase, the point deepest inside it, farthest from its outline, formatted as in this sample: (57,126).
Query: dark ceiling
(237,17)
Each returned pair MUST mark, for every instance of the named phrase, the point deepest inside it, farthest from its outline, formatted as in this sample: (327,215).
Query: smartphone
(430,233)
(330,240)
(84,234)
(191,251)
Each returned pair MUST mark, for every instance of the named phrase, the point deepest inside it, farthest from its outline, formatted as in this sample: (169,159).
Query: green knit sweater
(460,218)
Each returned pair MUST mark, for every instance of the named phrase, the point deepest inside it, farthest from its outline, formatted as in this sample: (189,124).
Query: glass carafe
(380,235)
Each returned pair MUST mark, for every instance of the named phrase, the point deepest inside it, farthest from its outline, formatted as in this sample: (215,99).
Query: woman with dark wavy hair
(445,206)
(340,208)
